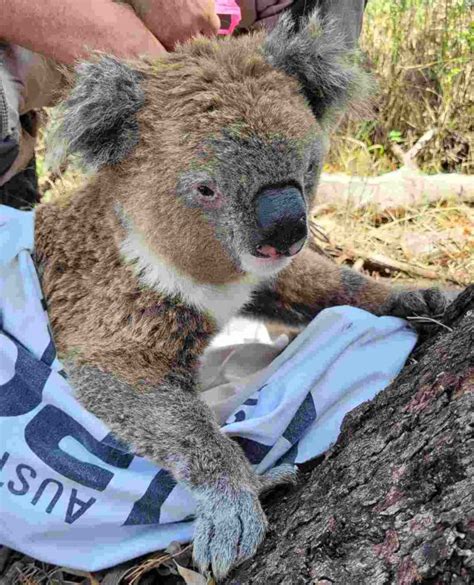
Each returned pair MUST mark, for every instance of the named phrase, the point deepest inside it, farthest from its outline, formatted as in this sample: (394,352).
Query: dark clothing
(9,150)
(22,191)
(349,12)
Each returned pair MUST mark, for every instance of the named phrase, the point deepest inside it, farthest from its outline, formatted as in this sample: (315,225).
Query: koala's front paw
(429,304)
(230,524)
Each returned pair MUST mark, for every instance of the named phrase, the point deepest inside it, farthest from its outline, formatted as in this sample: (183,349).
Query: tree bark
(392,501)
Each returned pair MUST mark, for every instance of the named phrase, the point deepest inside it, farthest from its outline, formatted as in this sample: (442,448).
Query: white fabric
(70,494)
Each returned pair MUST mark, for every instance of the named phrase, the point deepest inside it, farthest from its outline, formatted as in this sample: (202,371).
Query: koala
(203,169)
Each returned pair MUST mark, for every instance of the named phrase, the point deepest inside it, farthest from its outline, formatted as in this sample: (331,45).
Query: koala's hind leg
(171,426)
(312,283)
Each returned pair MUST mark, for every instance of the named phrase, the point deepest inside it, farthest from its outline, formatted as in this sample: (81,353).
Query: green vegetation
(422,54)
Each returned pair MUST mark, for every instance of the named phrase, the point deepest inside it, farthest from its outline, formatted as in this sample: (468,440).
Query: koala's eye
(206,191)
(207,195)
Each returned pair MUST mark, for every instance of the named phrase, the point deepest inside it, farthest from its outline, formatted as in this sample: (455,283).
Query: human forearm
(66,30)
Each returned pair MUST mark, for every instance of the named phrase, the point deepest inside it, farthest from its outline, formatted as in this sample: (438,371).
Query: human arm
(67,30)
(177,21)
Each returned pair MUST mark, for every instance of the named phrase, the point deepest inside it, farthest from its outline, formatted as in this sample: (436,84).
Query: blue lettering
(25,485)
(3,460)
(23,392)
(303,419)
(46,430)
(57,495)
(147,509)
(254,451)
(72,516)
(49,354)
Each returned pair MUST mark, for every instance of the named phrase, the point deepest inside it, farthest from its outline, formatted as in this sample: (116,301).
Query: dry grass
(437,239)
(422,54)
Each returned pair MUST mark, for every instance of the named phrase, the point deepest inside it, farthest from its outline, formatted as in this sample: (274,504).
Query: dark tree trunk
(392,502)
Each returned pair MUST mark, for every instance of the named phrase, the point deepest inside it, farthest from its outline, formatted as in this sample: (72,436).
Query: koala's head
(212,153)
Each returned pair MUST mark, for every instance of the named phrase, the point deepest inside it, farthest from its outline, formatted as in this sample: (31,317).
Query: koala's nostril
(281,216)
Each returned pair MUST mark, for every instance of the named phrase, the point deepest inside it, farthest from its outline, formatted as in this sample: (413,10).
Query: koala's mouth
(270,252)
(263,266)
(266,261)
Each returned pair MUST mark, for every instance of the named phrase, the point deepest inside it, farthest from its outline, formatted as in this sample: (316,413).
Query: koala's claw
(285,474)
(231,524)
(229,528)
(430,302)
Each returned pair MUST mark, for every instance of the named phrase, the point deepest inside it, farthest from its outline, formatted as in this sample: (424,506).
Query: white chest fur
(221,302)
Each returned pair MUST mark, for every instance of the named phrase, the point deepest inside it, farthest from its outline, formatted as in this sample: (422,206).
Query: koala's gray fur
(431,303)
(100,125)
(318,57)
(255,163)
(192,447)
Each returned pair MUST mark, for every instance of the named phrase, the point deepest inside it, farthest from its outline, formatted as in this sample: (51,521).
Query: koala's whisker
(318,232)
(420,319)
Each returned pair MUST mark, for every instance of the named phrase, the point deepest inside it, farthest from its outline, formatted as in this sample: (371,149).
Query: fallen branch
(399,189)
(405,187)
(362,259)
(383,262)
(408,158)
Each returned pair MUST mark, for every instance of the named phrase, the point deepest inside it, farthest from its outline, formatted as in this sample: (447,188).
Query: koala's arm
(172,427)
(312,283)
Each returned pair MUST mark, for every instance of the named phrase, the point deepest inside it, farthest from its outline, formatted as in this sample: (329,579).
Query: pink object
(231,9)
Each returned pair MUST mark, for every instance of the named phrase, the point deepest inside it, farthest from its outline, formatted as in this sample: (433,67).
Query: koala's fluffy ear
(315,52)
(97,122)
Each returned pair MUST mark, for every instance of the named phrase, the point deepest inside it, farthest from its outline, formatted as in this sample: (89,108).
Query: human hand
(178,21)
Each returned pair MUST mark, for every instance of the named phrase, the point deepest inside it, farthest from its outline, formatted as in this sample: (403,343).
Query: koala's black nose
(281,216)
